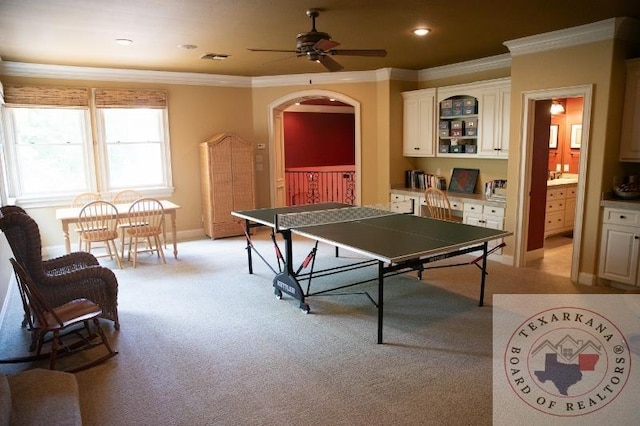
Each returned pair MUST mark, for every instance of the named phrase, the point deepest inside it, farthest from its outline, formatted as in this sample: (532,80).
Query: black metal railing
(314,186)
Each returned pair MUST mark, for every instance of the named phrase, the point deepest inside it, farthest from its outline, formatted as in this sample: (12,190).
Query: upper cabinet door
(630,140)
(419,123)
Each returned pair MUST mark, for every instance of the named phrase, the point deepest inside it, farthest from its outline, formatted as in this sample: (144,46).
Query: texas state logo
(567,361)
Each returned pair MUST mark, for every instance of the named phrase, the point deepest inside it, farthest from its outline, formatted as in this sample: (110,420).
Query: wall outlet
(261,146)
(566,167)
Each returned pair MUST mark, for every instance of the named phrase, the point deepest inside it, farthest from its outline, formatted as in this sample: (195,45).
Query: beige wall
(589,64)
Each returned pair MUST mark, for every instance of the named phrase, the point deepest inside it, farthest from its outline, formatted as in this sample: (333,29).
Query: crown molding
(607,29)
(467,67)
(23,69)
(314,78)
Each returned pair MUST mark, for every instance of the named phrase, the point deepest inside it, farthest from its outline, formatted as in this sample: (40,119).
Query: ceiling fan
(317,46)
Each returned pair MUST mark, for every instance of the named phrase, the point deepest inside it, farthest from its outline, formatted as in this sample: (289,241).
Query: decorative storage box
(456,132)
(447,103)
(469,102)
(456,124)
(446,112)
(471,123)
(458,103)
(456,111)
(471,131)
(455,148)
(444,125)
(444,133)
(470,149)
(443,149)
(468,110)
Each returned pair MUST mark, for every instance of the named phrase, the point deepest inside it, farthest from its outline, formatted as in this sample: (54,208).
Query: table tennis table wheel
(305,308)
(278,294)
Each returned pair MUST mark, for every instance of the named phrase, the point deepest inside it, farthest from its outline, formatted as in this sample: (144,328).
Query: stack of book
(496,189)
(418,179)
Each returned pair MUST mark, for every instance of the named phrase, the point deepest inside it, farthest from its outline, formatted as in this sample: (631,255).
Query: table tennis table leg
(484,272)
(380,299)
(247,228)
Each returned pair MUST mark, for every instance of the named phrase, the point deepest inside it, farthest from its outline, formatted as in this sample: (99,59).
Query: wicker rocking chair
(61,279)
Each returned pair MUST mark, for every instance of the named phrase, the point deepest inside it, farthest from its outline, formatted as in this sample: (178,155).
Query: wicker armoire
(226,164)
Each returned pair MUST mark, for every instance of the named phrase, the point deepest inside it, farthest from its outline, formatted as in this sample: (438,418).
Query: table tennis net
(342,214)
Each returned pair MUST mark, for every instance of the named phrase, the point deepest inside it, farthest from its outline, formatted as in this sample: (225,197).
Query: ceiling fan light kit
(317,46)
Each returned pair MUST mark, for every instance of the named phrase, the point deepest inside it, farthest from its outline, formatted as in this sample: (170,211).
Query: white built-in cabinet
(419,123)
(560,209)
(620,246)
(432,125)
(630,138)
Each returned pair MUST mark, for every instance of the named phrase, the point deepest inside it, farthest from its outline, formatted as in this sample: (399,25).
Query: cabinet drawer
(493,211)
(571,192)
(555,205)
(556,194)
(554,221)
(397,197)
(473,208)
(621,217)
(456,205)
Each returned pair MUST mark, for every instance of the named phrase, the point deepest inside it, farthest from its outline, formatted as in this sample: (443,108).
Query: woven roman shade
(16,96)
(119,98)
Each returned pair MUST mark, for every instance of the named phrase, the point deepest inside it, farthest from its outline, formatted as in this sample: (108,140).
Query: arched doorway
(276,139)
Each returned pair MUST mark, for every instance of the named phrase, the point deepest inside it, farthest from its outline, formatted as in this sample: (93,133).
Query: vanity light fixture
(421,31)
(188,46)
(556,108)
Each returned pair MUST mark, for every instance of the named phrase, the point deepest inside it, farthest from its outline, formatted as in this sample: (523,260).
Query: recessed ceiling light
(124,41)
(188,46)
(421,31)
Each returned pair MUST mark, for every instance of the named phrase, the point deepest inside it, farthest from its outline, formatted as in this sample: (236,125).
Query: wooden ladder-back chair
(146,221)
(61,279)
(126,196)
(79,201)
(438,204)
(98,221)
(84,198)
(55,320)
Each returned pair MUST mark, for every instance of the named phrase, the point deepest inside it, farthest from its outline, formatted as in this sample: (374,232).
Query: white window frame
(163,190)
(11,162)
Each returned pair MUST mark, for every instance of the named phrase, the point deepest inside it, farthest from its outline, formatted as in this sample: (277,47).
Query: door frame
(526,149)
(276,139)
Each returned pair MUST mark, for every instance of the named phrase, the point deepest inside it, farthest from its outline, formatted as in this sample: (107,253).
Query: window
(133,146)
(49,149)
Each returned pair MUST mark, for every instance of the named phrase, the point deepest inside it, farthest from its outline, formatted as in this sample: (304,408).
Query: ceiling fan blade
(272,50)
(325,44)
(330,64)
(359,52)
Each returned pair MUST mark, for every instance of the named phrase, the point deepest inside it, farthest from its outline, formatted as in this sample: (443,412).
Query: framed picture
(463,180)
(553,136)
(576,136)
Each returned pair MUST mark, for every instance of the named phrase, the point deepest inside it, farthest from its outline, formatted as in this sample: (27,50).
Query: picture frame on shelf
(553,136)
(576,136)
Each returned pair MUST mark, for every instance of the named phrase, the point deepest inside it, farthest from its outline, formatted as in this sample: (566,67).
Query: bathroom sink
(561,181)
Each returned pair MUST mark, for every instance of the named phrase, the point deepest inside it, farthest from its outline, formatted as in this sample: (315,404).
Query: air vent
(215,56)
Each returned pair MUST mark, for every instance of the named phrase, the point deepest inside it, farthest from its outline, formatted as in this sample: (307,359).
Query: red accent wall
(564,154)
(318,139)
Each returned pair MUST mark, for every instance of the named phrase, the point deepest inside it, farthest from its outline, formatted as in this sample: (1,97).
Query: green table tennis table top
(393,238)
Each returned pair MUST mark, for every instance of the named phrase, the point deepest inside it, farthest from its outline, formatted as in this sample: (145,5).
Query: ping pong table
(390,238)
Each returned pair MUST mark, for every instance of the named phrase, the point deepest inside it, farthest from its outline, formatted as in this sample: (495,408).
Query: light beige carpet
(204,343)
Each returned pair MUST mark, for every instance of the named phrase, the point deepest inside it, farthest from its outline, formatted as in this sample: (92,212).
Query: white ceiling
(82,32)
